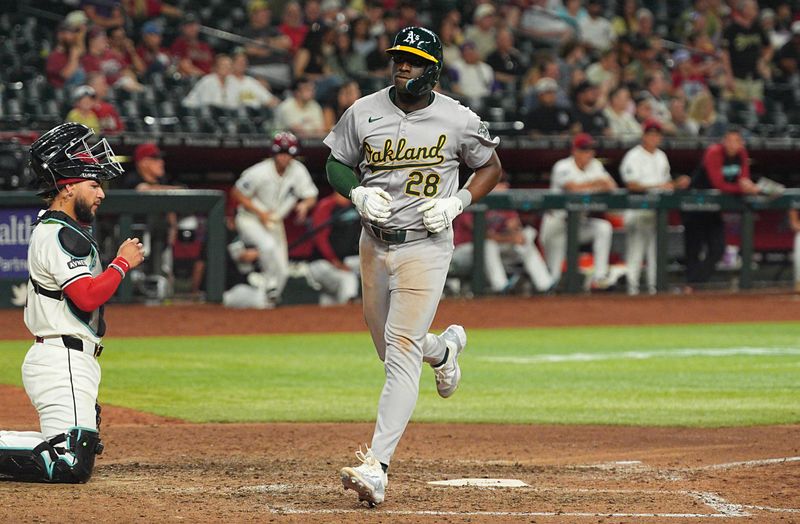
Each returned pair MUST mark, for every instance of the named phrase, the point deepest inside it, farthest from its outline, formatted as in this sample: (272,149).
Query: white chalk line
(719,504)
(747,463)
(771,509)
(643,355)
(722,507)
(292,511)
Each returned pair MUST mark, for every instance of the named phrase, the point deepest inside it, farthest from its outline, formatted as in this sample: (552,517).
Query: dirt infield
(160,470)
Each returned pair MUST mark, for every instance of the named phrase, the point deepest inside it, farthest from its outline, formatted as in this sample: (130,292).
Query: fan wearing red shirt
(726,167)
(107,114)
(64,61)
(155,57)
(194,57)
(101,58)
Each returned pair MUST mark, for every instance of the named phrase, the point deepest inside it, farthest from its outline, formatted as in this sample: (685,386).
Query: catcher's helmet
(423,43)
(63,155)
(285,142)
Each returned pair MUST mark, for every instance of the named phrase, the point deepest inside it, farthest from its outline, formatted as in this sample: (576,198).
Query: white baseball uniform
(498,257)
(414,157)
(62,383)
(648,170)
(278,195)
(554,223)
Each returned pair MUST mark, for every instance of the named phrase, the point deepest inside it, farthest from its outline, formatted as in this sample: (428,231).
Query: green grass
(510,376)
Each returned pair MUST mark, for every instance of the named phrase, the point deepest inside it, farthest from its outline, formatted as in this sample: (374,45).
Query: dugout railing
(124,205)
(534,200)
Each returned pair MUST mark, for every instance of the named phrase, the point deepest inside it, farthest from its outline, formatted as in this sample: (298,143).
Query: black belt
(75,343)
(397,236)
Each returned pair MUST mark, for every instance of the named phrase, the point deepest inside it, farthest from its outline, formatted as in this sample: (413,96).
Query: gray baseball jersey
(413,156)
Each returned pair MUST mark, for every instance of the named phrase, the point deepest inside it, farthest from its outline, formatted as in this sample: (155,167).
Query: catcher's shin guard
(45,463)
(19,464)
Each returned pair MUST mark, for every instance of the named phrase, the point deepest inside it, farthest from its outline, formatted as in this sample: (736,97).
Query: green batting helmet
(423,43)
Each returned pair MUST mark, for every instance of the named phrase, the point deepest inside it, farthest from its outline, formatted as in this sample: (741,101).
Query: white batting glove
(438,214)
(372,203)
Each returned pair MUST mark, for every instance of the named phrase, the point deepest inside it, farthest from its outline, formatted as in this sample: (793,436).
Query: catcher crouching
(67,290)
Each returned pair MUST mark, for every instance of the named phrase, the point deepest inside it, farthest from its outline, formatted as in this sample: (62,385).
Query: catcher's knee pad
(83,445)
(46,463)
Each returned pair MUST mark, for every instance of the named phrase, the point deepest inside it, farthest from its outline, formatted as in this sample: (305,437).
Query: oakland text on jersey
(390,159)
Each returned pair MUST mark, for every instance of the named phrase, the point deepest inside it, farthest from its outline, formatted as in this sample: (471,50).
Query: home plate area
(623,490)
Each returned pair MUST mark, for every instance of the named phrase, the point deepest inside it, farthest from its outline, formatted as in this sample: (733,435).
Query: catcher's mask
(285,142)
(70,153)
(422,43)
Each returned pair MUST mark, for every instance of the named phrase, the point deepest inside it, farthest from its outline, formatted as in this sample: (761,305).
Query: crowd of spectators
(559,66)
(571,68)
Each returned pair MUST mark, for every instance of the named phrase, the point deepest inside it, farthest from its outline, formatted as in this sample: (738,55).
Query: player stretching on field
(395,154)
(64,311)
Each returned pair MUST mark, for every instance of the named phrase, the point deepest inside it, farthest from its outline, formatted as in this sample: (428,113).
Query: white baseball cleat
(368,479)
(449,374)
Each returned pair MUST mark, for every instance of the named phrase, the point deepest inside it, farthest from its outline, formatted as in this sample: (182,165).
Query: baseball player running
(645,168)
(64,310)
(395,154)
(266,193)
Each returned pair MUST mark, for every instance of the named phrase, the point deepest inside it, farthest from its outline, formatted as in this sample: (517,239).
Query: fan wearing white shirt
(213,89)
(596,31)
(246,90)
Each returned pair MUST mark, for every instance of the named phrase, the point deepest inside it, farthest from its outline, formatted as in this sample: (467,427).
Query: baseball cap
(151,27)
(546,84)
(468,44)
(147,150)
(681,55)
(581,87)
(82,91)
(483,10)
(330,5)
(652,125)
(76,18)
(584,141)
(190,18)
(256,5)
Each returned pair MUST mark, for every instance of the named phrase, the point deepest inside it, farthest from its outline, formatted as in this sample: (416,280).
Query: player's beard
(405,96)
(83,211)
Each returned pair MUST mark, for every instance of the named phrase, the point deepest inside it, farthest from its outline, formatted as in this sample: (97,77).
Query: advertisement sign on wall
(15,234)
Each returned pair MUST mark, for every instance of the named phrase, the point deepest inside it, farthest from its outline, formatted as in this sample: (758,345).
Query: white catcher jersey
(276,193)
(412,156)
(566,171)
(53,268)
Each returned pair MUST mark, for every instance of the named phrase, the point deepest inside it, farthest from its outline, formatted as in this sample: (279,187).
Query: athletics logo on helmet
(423,43)
(285,142)
(64,155)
